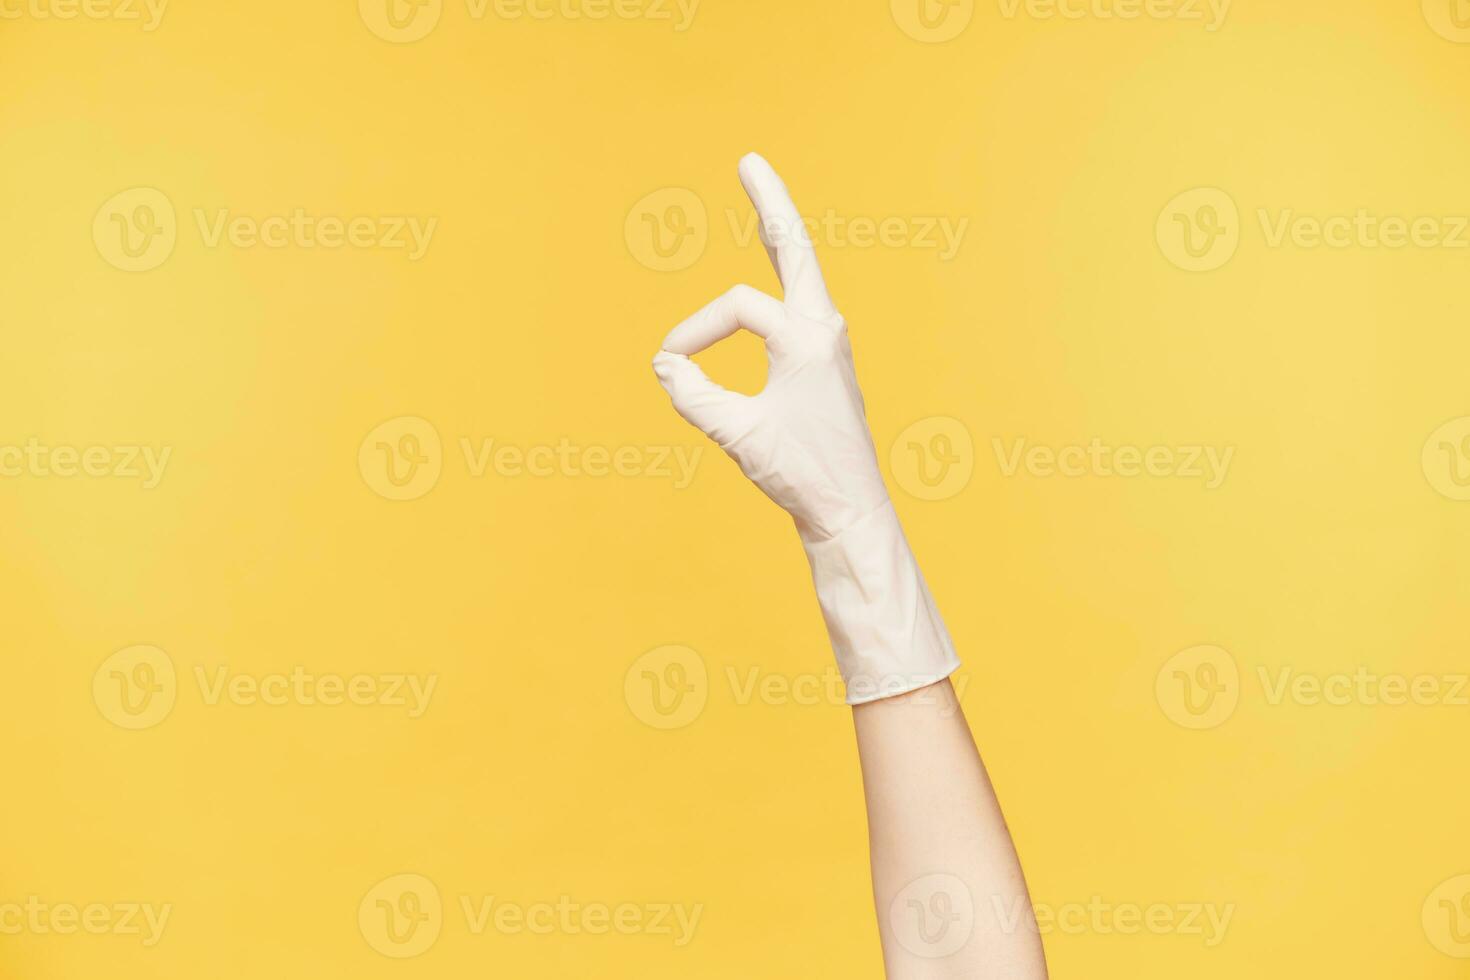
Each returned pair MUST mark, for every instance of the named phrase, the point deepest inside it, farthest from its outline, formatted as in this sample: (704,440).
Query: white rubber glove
(804,441)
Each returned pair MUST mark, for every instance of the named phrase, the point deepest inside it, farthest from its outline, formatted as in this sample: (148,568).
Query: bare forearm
(940,845)
(952,901)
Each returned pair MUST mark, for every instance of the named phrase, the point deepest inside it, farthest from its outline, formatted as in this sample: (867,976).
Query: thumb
(702,403)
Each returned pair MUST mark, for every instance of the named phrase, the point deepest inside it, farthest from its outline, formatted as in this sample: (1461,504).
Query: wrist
(885,628)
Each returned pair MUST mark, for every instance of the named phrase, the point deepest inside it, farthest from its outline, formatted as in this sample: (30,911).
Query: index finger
(786,239)
(740,308)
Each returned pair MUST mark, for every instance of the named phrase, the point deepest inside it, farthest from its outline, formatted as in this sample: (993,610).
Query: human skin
(951,898)
(933,816)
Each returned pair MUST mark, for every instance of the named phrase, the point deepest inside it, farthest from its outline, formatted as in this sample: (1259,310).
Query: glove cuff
(885,629)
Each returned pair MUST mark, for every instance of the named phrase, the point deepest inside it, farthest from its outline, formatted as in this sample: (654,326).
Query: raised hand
(804,441)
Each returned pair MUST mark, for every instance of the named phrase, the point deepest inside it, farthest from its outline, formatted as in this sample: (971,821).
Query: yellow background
(531,320)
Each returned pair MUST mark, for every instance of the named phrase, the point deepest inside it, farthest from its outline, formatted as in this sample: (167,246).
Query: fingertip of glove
(751,159)
(665,364)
